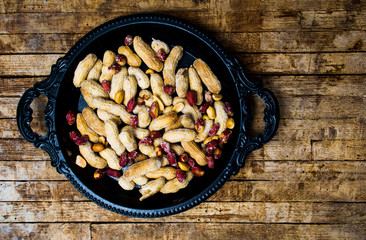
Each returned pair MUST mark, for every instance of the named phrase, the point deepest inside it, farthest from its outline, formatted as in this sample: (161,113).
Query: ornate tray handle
(48,87)
(246,88)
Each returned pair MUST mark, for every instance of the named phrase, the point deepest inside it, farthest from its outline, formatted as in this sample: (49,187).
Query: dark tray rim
(244,87)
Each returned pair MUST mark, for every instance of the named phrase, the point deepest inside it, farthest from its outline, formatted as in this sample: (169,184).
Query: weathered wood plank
(289,6)
(254,170)
(45,231)
(249,42)
(322,129)
(317,107)
(232,191)
(20,149)
(106,7)
(291,42)
(328,85)
(322,63)
(293,171)
(276,63)
(218,5)
(29,170)
(15,87)
(37,43)
(339,150)
(283,150)
(27,65)
(218,231)
(240,212)
(233,21)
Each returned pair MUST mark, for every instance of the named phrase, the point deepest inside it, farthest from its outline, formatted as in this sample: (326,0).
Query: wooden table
(307,183)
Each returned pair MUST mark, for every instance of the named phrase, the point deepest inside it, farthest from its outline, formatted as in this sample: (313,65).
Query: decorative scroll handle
(246,88)
(48,87)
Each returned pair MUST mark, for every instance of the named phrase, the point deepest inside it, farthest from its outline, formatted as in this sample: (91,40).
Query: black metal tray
(62,96)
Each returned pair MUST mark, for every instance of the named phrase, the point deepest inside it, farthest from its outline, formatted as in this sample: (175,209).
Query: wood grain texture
(233,191)
(233,21)
(238,212)
(218,231)
(307,183)
(249,42)
(45,231)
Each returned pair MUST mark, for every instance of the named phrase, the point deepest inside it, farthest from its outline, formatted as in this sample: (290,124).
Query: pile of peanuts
(158,139)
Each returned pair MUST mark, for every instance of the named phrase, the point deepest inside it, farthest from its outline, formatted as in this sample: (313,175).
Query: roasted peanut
(167,109)
(128,140)
(149,71)
(177,148)
(195,152)
(121,59)
(84,129)
(179,135)
(178,107)
(210,139)
(189,110)
(97,147)
(217,97)
(80,161)
(147,55)
(144,117)
(92,159)
(142,180)
(125,184)
(130,88)
(174,185)
(142,79)
(107,72)
(93,121)
(163,121)
(156,45)
(211,113)
(147,97)
(157,88)
(221,116)
(160,103)
(132,59)
(167,172)
(117,82)
(184,166)
(207,76)
(170,65)
(111,129)
(204,134)
(151,188)
(83,69)
(195,84)
(104,116)
(157,141)
(139,133)
(94,89)
(182,82)
(187,121)
(96,70)
(142,168)
(113,108)
(230,124)
(118,98)
(148,150)
(112,159)
(175,125)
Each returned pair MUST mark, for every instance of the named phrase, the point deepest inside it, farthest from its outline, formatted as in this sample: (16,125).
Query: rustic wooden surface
(309,182)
